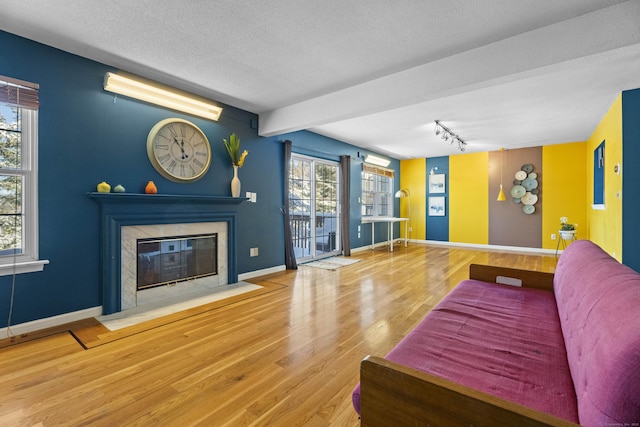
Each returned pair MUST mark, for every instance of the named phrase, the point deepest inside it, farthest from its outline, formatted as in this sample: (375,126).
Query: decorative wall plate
(528,168)
(529,199)
(530,184)
(518,191)
(517,182)
(532,175)
(521,175)
(528,209)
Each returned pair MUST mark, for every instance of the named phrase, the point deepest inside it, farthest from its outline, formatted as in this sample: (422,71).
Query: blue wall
(86,136)
(630,178)
(438,226)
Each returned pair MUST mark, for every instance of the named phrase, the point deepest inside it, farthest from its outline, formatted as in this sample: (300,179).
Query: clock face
(179,150)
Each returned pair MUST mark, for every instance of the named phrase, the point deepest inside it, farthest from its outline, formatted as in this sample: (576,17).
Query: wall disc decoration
(529,199)
(530,184)
(525,188)
(518,191)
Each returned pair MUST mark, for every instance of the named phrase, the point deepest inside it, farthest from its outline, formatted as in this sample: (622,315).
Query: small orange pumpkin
(151,188)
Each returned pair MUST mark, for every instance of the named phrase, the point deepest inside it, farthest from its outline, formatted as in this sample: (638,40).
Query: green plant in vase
(237,160)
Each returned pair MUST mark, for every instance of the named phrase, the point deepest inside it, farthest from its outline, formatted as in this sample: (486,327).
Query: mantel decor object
(237,160)
(235,183)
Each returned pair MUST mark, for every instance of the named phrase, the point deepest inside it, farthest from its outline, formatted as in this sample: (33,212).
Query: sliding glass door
(314,207)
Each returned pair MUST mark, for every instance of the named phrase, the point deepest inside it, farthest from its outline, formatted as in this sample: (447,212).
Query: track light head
(449,136)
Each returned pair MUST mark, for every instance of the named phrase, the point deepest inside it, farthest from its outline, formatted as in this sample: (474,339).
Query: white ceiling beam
(539,51)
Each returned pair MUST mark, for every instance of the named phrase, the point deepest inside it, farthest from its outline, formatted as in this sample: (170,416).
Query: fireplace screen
(173,259)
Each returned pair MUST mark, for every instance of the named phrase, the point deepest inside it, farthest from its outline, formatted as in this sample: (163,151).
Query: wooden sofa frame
(393,394)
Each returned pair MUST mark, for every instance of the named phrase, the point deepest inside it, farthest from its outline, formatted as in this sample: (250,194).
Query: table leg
(373,235)
(406,229)
(390,235)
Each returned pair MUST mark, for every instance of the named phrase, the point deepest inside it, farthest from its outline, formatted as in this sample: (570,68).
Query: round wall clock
(178,150)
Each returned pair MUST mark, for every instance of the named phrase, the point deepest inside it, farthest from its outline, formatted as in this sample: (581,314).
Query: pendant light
(501,196)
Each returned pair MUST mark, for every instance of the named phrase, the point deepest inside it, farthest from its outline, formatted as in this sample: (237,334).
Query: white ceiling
(374,73)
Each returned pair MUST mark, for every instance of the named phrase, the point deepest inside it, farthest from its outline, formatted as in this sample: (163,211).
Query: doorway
(314,206)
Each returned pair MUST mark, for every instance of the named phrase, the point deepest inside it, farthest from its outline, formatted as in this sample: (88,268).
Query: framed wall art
(436,183)
(437,206)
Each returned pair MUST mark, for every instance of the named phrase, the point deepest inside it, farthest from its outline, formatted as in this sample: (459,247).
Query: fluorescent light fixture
(375,160)
(155,93)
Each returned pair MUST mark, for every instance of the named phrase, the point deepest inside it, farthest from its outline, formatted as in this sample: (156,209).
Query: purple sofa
(559,349)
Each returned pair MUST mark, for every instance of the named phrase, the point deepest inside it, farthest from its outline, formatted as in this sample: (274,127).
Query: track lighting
(449,136)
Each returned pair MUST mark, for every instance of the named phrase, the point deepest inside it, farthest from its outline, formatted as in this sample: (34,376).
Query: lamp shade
(501,196)
(402,193)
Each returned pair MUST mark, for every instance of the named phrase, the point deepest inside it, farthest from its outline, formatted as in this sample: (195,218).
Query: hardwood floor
(285,358)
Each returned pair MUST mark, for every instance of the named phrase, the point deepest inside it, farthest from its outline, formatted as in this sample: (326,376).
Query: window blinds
(19,93)
(378,170)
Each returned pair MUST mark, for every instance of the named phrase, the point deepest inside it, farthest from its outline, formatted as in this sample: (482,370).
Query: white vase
(568,234)
(235,183)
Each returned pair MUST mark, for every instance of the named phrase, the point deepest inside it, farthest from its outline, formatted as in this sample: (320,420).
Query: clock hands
(181,145)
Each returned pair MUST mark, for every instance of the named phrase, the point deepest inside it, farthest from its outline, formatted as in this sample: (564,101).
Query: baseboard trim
(49,322)
(263,272)
(516,249)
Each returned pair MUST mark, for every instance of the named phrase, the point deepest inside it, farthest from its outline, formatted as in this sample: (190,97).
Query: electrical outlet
(553,237)
(253,252)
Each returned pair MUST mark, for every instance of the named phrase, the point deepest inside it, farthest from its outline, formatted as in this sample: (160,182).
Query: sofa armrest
(393,394)
(528,278)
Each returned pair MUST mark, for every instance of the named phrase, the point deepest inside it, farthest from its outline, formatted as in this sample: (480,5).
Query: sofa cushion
(599,306)
(498,339)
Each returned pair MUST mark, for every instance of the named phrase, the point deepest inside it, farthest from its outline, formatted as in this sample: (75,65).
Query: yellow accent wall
(413,177)
(564,192)
(605,226)
(468,201)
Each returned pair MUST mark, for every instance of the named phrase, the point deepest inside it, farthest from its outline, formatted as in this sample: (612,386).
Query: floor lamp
(401,194)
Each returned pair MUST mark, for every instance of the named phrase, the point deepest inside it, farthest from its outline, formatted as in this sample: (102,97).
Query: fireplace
(156,235)
(127,217)
(169,260)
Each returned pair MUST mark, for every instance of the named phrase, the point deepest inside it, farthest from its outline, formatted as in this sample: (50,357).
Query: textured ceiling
(376,73)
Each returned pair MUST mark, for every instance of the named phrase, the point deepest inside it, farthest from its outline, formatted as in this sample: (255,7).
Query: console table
(389,221)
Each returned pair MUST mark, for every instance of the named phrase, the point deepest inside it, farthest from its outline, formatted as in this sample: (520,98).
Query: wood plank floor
(285,358)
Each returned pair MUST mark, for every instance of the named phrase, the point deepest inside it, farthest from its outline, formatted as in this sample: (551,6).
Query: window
(377,187)
(18,177)
(598,176)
